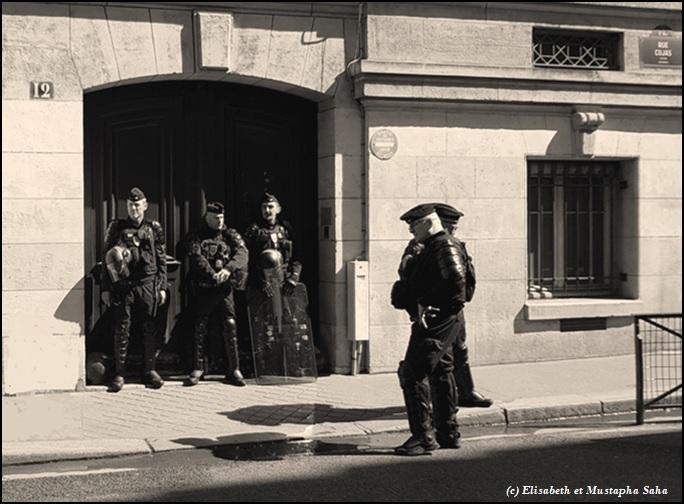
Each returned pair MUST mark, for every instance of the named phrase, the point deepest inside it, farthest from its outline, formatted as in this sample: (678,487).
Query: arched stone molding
(89,47)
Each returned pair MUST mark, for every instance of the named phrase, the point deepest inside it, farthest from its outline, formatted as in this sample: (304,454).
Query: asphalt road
(579,460)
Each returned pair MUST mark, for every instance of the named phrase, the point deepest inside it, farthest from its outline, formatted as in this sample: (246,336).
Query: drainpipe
(354,268)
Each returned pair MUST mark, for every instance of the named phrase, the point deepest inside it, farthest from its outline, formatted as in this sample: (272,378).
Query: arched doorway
(186,143)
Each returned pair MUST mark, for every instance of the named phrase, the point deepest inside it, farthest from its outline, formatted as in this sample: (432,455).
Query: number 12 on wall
(42,90)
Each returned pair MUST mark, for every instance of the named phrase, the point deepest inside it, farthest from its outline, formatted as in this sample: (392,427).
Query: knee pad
(231,325)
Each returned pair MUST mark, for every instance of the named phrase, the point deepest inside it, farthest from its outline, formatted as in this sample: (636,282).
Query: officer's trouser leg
(203,306)
(200,338)
(146,304)
(462,374)
(417,399)
(230,340)
(444,400)
(150,334)
(467,395)
(122,330)
(229,327)
(464,385)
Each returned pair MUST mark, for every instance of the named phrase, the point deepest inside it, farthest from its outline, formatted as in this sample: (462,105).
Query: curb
(592,408)
(32,452)
(265,446)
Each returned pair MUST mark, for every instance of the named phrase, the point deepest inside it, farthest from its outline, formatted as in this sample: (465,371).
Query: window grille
(570,216)
(575,50)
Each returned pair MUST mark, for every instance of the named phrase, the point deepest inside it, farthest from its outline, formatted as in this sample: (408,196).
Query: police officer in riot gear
(271,234)
(432,290)
(449,216)
(218,264)
(134,283)
(467,395)
(275,274)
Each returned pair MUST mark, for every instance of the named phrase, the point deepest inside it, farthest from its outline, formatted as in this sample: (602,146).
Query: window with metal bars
(570,219)
(568,49)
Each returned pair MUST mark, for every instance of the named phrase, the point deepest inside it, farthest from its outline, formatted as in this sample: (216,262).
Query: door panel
(129,142)
(186,143)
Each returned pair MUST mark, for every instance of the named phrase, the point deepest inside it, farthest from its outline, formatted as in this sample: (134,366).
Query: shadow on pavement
(311,414)
(640,463)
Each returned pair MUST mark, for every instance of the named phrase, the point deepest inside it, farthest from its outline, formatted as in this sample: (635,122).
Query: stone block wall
(476,159)
(492,34)
(432,57)
(87,47)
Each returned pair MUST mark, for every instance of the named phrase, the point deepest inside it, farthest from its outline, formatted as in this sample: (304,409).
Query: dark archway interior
(186,143)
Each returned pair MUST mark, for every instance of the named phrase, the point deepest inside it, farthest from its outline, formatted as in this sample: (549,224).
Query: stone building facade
(468,113)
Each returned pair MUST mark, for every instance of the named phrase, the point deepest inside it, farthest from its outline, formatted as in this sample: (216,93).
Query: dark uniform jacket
(147,245)
(434,275)
(211,250)
(263,236)
(469,267)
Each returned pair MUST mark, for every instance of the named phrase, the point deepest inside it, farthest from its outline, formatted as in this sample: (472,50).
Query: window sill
(555,309)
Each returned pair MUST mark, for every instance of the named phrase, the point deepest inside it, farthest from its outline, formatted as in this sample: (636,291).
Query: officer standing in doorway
(218,264)
(272,234)
(134,283)
(277,300)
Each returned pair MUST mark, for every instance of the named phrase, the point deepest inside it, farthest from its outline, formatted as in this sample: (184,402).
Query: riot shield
(282,340)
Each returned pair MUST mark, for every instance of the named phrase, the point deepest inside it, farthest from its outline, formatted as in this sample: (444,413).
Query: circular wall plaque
(383,144)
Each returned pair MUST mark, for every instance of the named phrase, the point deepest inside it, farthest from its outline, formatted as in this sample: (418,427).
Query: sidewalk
(73,425)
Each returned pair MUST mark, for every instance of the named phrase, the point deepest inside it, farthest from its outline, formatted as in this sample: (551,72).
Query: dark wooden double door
(186,143)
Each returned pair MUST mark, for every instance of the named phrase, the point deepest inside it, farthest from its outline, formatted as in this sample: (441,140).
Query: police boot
(116,384)
(153,380)
(467,396)
(476,400)
(233,375)
(194,378)
(236,378)
(418,445)
(450,440)
(199,339)
(120,351)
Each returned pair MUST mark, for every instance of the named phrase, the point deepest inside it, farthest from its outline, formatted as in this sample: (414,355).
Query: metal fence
(658,345)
